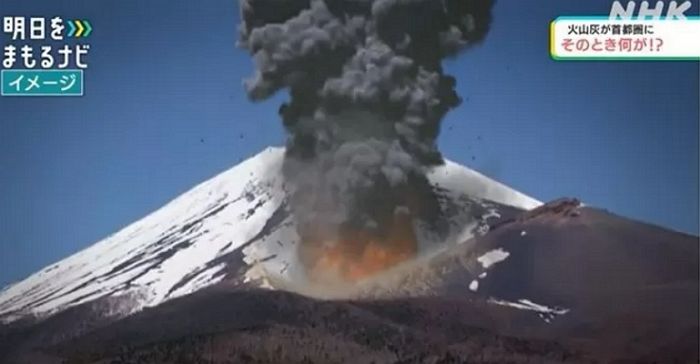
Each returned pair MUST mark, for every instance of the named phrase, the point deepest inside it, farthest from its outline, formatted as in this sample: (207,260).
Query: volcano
(217,275)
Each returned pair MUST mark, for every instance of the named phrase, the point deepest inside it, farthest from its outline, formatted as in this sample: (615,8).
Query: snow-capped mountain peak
(235,222)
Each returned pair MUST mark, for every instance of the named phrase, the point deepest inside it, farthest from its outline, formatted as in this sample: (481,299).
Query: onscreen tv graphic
(44,56)
(623,35)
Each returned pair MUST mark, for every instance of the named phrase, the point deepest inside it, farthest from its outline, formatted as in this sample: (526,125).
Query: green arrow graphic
(88,28)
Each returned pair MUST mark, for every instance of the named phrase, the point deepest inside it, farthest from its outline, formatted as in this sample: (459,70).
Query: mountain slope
(233,226)
(507,280)
(561,283)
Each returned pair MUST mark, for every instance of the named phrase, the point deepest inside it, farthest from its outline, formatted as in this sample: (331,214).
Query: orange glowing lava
(358,255)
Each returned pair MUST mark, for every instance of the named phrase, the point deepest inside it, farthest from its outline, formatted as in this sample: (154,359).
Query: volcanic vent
(367,96)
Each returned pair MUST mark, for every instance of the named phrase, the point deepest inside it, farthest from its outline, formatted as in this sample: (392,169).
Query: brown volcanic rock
(224,326)
(631,288)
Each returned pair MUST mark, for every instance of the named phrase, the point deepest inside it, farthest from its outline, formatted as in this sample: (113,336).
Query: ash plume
(367,95)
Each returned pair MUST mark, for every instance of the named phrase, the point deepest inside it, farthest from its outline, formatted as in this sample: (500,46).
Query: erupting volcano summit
(205,276)
(367,97)
(236,227)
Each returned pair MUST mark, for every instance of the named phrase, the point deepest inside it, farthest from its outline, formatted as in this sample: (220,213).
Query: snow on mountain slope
(177,249)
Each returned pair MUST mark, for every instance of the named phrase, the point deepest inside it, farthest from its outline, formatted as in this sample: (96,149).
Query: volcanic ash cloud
(367,95)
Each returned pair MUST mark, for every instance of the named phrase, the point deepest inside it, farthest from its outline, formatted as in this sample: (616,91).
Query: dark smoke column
(367,95)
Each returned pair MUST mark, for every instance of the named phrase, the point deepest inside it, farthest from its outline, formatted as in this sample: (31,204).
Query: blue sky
(164,110)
